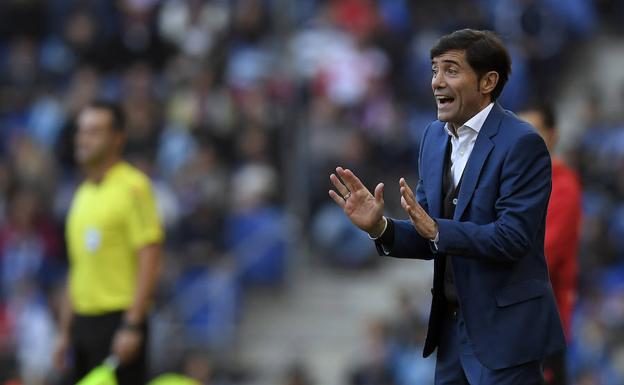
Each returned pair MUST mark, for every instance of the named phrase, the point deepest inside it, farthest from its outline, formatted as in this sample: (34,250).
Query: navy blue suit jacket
(496,240)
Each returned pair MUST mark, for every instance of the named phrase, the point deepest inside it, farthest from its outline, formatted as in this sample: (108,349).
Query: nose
(437,81)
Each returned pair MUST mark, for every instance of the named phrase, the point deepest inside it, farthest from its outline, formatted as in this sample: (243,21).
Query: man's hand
(360,206)
(424,224)
(126,344)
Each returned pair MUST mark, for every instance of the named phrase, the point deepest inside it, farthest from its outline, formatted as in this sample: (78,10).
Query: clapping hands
(365,210)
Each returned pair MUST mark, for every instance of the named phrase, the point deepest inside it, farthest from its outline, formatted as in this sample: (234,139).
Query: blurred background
(238,111)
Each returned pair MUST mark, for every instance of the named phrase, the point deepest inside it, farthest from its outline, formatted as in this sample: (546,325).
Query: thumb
(379,193)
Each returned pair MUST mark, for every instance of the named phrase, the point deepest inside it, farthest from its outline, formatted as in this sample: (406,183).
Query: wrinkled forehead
(454,56)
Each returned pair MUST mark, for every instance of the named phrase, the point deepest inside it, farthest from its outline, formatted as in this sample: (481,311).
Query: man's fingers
(404,203)
(379,193)
(410,192)
(408,199)
(406,206)
(408,209)
(353,182)
(340,187)
(416,210)
(337,198)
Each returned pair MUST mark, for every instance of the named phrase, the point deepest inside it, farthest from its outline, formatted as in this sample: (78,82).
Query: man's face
(456,88)
(96,139)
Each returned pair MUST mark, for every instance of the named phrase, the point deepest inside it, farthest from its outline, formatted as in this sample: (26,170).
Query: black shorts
(91,342)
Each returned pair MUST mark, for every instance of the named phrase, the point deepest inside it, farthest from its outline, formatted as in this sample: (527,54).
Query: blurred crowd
(238,111)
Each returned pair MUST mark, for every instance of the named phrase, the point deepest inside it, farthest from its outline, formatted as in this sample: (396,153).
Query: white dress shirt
(462,145)
(461,148)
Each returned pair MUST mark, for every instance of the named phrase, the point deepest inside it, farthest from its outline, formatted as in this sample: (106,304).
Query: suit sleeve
(524,189)
(404,241)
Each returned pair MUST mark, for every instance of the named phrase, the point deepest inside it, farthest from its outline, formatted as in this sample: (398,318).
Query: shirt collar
(476,122)
(112,170)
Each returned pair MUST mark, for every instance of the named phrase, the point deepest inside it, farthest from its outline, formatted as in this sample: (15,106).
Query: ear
(488,82)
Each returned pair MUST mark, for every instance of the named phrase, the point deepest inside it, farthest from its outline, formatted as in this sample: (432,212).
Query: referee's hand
(126,344)
(59,357)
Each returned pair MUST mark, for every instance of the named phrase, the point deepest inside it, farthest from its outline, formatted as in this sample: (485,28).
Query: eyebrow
(447,61)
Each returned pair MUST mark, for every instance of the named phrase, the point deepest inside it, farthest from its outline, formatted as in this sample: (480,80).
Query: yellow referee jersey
(108,223)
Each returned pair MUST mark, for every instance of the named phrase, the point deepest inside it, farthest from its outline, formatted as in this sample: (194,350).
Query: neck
(454,127)
(95,173)
(482,105)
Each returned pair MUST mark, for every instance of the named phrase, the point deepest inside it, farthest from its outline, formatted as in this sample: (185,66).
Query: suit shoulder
(436,126)
(516,135)
(515,127)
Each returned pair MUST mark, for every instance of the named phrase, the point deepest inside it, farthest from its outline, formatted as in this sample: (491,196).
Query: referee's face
(96,139)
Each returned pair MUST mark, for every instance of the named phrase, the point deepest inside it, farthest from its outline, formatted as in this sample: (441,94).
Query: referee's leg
(92,338)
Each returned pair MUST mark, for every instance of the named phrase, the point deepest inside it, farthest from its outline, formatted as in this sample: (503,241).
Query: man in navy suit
(479,212)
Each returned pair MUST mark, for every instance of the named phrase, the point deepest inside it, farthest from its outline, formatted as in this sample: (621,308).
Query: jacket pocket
(520,292)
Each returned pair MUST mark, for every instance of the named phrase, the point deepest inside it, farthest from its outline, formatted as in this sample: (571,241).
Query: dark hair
(547,112)
(484,52)
(117,115)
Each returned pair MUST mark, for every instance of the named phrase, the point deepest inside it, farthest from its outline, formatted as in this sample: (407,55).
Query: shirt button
(455,201)
(461,153)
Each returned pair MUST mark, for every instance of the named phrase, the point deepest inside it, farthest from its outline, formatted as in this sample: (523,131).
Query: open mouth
(444,101)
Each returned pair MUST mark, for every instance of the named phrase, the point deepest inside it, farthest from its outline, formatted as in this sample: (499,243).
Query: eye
(452,71)
(434,71)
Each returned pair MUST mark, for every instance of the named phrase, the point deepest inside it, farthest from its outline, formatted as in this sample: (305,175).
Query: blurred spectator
(338,240)
(34,333)
(256,231)
(374,367)
(297,374)
(563,225)
(563,221)
(194,26)
(408,332)
(207,300)
(30,246)
(30,266)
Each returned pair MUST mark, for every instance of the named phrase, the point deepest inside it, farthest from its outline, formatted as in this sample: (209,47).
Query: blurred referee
(113,235)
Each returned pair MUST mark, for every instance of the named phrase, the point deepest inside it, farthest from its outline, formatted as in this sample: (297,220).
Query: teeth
(444,99)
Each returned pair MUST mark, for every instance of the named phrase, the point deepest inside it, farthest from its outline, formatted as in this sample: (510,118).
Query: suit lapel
(435,170)
(482,148)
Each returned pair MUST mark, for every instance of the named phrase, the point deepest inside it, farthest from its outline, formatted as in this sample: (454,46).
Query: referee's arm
(129,337)
(146,234)
(148,275)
